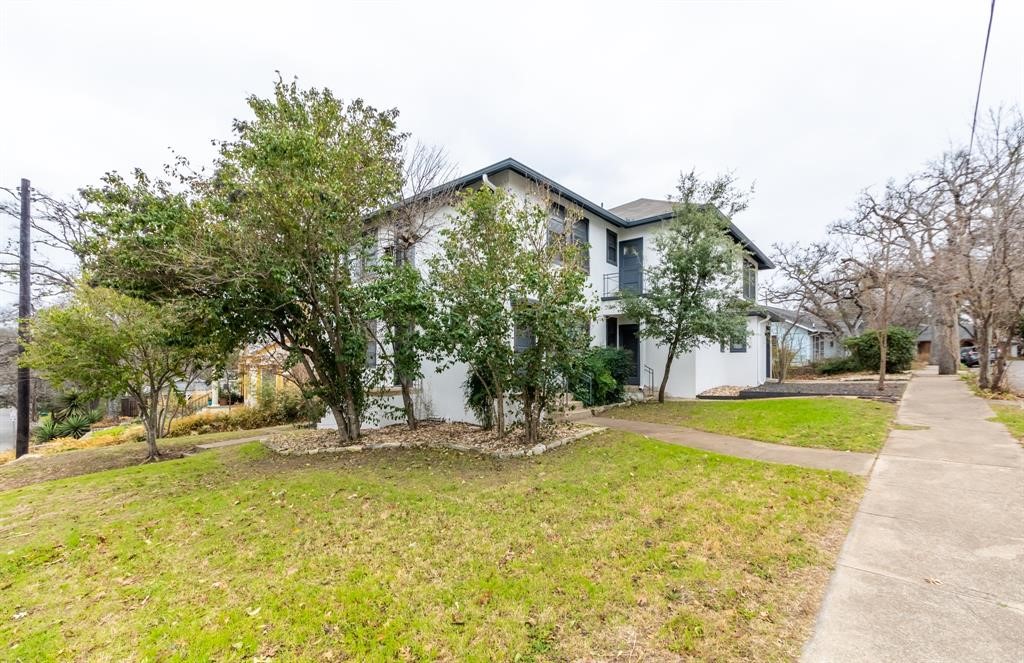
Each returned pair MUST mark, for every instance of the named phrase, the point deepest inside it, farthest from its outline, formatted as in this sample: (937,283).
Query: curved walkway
(819,459)
(933,567)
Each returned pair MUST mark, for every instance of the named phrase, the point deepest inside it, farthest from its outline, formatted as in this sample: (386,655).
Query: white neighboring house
(808,336)
(621,248)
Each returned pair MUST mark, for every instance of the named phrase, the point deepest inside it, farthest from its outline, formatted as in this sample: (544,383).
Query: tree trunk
(981,332)
(499,412)
(151,422)
(883,353)
(352,419)
(339,421)
(153,453)
(668,367)
(407,402)
(999,376)
(945,339)
(347,421)
(531,418)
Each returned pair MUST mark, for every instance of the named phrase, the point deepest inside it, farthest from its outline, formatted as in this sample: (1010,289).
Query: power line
(981,76)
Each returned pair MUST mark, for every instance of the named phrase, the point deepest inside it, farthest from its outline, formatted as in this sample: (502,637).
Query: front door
(631,265)
(629,340)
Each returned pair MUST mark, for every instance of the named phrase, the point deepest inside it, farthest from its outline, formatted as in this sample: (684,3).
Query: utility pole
(24,311)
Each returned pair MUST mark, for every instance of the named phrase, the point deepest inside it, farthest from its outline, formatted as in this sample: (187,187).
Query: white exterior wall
(441,394)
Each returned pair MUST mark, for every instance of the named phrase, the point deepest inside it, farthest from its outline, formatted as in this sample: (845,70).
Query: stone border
(536,450)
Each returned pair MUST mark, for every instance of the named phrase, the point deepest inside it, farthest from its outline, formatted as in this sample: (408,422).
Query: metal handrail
(611,284)
(649,373)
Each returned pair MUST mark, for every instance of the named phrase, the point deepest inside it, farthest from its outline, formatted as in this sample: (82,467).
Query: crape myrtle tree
(275,242)
(691,297)
(106,344)
(511,302)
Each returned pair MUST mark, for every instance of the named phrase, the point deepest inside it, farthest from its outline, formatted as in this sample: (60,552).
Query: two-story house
(621,247)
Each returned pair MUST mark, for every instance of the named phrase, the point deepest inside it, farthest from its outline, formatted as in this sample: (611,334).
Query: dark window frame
(749,280)
(582,239)
(611,241)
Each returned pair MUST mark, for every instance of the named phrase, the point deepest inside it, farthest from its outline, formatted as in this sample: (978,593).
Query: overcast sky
(814,101)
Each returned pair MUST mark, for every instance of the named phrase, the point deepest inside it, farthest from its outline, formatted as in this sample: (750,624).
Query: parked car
(970,357)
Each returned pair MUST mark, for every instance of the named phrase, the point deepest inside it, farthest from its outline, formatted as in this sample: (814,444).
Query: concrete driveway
(933,567)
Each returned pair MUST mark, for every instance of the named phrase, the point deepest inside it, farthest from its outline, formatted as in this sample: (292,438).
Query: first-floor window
(371,344)
(524,339)
(740,346)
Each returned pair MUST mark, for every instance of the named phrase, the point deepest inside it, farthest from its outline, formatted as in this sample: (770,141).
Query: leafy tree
(275,243)
(401,303)
(105,344)
(691,295)
(501,274)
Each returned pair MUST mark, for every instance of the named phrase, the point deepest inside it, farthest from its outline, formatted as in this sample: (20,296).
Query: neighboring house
(621,241)
(805,334)
(261,368)
(927,336)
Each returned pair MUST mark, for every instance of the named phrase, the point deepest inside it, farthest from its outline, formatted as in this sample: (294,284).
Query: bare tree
(411,223)
(59,232)
(814,278)
(994,261)
(876,248)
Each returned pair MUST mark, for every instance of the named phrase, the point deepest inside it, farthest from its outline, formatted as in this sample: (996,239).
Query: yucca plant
(75,425)
(46,430)
(69,404)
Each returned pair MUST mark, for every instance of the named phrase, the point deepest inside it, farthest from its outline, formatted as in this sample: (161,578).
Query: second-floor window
(580,232)
(749,281)
(611,247)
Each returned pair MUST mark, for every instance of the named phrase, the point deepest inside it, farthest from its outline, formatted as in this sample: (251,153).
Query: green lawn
(1011,416)
(846,424)
(614,546)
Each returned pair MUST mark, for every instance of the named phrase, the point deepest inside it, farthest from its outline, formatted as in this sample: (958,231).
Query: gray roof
(662,210)
(798,318)
(643,208)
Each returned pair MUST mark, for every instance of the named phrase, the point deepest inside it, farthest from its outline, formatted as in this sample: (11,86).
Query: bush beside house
(865,354)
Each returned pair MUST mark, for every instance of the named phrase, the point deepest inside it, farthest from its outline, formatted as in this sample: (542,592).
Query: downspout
(487,182)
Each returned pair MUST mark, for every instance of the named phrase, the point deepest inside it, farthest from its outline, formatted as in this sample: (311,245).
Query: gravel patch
(431,435)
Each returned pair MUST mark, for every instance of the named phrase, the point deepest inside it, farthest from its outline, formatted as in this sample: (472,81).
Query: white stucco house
(807,336)
(621,247)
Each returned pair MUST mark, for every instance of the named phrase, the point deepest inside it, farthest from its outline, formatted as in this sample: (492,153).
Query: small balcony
(634,281)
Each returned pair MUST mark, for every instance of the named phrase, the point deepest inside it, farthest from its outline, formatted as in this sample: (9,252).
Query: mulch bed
(859,388)
(430,435)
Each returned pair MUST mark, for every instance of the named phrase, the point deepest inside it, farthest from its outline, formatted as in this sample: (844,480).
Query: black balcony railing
(622,282)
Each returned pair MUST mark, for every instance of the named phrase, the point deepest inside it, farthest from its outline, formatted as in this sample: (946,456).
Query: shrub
(608,370)
(74,425)
(70,404)
(478,400)
(902,346)
(838,365)
(46,430)
(286,406)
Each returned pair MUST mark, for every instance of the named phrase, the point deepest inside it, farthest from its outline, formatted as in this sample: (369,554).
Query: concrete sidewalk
(819,459)
(933,567)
